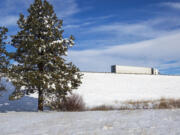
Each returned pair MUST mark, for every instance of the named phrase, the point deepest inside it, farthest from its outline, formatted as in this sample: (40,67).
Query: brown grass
(162,103)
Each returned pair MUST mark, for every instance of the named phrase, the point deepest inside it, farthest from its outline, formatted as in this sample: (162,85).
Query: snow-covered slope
(111,89)
(108,89)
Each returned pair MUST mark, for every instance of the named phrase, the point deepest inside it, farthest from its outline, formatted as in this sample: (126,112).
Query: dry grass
(162,103)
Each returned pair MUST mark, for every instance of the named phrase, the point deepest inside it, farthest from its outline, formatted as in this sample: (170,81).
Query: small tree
(3,55)
(40,55)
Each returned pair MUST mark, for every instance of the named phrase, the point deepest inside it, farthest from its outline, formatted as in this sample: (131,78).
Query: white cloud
(154,53)
(175,5)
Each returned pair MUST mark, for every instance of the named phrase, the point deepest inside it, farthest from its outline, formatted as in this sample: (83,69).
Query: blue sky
(125,32)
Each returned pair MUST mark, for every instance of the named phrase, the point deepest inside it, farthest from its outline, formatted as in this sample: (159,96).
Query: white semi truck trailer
(133,70)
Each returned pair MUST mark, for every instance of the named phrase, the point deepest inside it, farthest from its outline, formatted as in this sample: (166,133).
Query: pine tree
(40,55)
(3,54)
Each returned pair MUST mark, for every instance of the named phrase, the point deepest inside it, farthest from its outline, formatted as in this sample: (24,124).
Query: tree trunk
(40,100)
(40,95)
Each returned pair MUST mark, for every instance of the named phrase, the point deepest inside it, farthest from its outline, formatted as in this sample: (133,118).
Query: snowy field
(107,89)
(138,122)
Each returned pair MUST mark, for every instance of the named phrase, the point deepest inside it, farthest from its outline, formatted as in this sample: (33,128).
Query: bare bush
(71,103)
(102,108)
(170,103)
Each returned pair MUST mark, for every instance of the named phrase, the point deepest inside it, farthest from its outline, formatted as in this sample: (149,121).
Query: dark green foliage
(2,88)
(3,54)
(40,55)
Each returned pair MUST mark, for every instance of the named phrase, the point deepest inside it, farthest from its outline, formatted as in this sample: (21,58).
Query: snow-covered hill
(111,89)
(108,89)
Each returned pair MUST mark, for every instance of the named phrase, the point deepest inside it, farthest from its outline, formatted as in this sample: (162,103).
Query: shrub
(71,103)
(102,108)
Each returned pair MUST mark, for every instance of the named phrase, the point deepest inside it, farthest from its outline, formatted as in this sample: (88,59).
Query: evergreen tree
(40,56)
(3,55)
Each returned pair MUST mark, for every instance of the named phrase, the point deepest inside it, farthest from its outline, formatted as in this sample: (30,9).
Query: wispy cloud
(87,22)
(154,53)
(14,6)
(146,29)
(11,8)
(175,5)
(100,18)
(74,26)
(65,8)
(9,21)
(127,29)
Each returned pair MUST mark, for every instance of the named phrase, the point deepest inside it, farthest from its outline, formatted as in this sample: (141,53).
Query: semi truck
(134,70)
